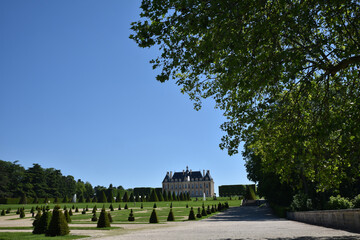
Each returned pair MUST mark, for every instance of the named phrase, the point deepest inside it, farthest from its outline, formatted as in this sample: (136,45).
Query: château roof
(187,176)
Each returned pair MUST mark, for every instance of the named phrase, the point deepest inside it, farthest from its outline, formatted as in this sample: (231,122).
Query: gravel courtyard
(238,223)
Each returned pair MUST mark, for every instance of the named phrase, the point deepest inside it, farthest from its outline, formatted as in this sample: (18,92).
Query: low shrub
(191,214)
(42,225)
(131,217)
(338,202)
(203,212)
(126,207)
(58,225)
(301,202)
(94,217)
(198,215)
(153,217)
(67,216)
(171,216)
(3,212)
(356,201)
(22,213)
(110,218)
(103,221)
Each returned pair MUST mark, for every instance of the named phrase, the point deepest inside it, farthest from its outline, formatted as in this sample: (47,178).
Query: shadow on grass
(246,214)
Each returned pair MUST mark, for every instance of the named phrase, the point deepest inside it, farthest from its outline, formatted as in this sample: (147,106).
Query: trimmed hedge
(58,225)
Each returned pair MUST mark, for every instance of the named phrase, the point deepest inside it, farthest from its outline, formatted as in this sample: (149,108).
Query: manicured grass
(28,235)
(180,211)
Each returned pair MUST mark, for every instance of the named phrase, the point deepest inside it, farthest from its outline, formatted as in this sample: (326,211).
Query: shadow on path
(246,214)
(305,238)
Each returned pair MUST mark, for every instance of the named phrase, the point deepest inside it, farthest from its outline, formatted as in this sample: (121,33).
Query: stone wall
(348,219)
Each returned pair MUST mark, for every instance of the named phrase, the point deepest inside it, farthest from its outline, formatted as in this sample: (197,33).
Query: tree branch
(332,70)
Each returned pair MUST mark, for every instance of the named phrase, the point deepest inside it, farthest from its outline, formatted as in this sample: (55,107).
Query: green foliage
(65,199)
(111,207)
(3,212)
(301,202)
(153,217)
(141,206)
(94,217)
(131,198)
(356,201)
(231,190)
(191,214)
(288,87)
(153,196)
(125,197)
(76,209)
(110,218)
(154,206)
(131,217)
(58,225)
(70,212)
(41,225)
(198,215)
(203,212)
(37,217)
(103,221)
(67,216)
(94,209)
(22,213)
(338,202)
(171,216)
(126,206)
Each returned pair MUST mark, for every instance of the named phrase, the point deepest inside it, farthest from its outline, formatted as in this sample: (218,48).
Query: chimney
(208,172)
(183,171)
(170,174)
(203,172)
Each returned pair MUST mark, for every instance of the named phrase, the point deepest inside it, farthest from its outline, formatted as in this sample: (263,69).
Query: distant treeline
(247,191)
(37,183)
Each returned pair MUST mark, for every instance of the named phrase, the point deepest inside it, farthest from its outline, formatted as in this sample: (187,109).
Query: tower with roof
(192,182)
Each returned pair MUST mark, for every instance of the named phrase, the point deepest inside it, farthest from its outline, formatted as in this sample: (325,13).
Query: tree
(131,217)
(58,225)
(171,216)
(153,196)
(103,221)
(125,197)
(153,217)
(42,224)
(191,214)
(293,70)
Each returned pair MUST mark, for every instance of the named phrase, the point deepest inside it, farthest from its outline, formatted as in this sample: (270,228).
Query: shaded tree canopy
(285,74)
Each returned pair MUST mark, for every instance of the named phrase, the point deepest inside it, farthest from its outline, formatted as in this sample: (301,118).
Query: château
(192,182)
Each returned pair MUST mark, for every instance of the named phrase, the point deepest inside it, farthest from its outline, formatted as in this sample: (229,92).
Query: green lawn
(180,211)
(28,235)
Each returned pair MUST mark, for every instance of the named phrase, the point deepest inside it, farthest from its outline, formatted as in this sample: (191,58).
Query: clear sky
(76,94)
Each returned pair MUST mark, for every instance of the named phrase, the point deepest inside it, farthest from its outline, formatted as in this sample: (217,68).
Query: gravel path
(236,223)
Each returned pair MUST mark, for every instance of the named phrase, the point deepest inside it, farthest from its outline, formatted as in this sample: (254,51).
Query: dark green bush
(212,209)
(8,210)
(131,217)
(208,211)
(141,206)
(3,212)
(111,207)
(67,216)
(171,216)
(119,207)
(154,205)
(37,217)
(198,215)
(191,214)
(153,217)
(126,207)
(76,210)
(356,201)
(110,217)
(70,212)
(103,221)
(42,224)
(338,202)
(301,202)
(58,225)
(94,217)
(22,213)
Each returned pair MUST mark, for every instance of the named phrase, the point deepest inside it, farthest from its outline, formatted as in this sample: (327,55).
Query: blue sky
(76,94)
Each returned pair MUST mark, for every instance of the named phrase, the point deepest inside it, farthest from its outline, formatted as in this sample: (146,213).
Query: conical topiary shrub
(141,206)
(42,225)
(22,213)
(58,225)
(37,217)
(103,221)
(191,214)
(94,209)
(119,207)
(67,216)
(171,205)
(110,218)
(203,212)
(198,215)
(131,217)
(212,209)
(154,205)
(76,209)
(3,212)
(171,216)
(126,207)
(94,217)
(153,217)
(70,212)
(208,211)
(111,207)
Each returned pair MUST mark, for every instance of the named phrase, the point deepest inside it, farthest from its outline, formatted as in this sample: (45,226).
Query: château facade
(192,182)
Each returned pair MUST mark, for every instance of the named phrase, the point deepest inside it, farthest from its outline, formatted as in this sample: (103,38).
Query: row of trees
(285,74)
(37,182)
